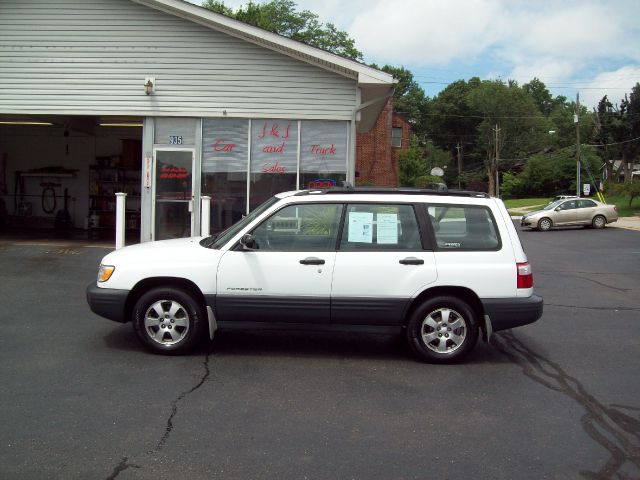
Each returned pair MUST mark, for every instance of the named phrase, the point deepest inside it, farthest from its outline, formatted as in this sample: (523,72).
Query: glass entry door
(173,199)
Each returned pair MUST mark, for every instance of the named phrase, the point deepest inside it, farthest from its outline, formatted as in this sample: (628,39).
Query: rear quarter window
(463,227)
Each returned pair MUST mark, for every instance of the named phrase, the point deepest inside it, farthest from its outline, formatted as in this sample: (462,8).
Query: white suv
(444,267)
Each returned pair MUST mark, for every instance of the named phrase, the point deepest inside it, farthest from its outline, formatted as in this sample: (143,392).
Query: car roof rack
(392,191)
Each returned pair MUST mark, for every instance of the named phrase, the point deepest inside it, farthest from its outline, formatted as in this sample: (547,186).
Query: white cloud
(577,31)
(425,31)
(614,84)
(560,43)
(543,39)
(548,70)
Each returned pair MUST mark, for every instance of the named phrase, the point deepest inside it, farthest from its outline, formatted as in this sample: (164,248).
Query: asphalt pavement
(557,399)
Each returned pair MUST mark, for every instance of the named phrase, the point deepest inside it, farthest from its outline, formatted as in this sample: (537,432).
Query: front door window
(173,194)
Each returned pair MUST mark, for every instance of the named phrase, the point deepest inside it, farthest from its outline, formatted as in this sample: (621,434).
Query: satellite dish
(437,172)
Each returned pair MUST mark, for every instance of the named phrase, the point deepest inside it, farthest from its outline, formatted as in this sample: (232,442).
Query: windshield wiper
(207,242)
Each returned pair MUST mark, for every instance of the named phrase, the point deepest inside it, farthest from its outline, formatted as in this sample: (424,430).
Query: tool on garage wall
(3,175)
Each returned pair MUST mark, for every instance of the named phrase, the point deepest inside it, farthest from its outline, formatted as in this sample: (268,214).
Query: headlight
(105,272)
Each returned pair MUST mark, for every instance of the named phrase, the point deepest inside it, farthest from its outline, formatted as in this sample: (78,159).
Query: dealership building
(171,103)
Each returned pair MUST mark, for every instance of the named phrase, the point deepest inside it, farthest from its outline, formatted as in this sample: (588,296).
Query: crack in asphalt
(174,404)
(607,286)
(582,307)
(572,273)
(616,431)
(121,467)
(124,464)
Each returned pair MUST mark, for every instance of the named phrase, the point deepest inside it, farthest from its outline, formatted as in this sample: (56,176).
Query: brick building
(377,151)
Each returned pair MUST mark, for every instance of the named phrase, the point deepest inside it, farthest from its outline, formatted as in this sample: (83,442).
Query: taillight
(525,275)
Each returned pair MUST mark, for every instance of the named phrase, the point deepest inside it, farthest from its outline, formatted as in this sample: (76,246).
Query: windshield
(553,205)
(230,232)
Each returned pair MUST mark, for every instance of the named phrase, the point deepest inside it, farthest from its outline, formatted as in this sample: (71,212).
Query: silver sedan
(576,211)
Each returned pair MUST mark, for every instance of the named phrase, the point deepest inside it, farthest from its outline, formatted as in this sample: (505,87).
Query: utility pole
(459,148)
(576,120)
(494,166)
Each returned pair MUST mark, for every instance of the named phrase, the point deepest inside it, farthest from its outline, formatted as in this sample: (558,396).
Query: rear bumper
(107,302)
(507,313)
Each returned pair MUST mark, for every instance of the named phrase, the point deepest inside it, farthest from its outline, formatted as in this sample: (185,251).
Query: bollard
(120,219)
(205,216)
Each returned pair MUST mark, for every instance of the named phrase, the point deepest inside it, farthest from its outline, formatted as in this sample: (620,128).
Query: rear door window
(463,227)
(380,227)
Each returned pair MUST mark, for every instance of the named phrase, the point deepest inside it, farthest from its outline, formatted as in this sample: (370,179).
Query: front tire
(598,221)
(442,330)
(545,224)
(168,321)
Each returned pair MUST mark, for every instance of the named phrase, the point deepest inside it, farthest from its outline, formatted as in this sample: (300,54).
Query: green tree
(409,98)
(540,95)
(415,163)
(628,129)
(283,18)
(554,172)
(630,189)
(616,130)
(512,126)
(453,122)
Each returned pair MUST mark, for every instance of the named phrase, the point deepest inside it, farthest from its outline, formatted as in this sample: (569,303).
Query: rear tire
(168,320)
(544,224)
(442,330)
(598,221)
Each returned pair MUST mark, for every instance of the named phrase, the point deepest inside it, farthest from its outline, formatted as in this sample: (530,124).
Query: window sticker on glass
(361,227)
(387,228)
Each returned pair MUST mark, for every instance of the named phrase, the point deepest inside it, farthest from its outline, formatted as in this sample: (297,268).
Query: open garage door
(59,176)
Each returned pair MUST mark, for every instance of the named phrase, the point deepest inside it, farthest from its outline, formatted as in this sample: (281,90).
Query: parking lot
(556,399)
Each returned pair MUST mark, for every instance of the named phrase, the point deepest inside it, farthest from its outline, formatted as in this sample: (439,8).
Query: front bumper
(507,313)
(527,222)
(107,302)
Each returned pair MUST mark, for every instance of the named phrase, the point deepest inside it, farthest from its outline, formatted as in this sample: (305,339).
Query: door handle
(412,261)
(312,261)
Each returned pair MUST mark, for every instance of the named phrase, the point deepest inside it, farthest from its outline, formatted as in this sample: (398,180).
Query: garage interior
(59,176)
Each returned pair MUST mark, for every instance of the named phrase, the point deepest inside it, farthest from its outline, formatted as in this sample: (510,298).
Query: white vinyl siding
(90,57)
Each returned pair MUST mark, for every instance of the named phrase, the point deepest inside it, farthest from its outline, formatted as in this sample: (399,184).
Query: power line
(616,143)
(484,117)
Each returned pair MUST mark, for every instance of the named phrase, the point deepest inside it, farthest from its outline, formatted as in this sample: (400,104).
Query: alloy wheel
(166,322)
(444,330)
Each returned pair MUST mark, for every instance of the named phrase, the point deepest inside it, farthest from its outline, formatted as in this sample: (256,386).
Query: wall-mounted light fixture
(149,84)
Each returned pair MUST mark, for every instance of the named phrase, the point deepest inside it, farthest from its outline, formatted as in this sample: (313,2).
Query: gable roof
(375,86)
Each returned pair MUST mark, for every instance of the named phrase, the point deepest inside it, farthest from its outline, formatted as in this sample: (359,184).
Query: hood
(535,212)
(166,249)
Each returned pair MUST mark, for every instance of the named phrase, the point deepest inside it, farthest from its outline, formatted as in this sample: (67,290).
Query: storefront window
(175,132)
(224,170)
(323,154)
(274,158)
(275,163)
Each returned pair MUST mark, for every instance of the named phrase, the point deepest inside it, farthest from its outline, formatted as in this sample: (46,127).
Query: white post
(121,219)
(204,216)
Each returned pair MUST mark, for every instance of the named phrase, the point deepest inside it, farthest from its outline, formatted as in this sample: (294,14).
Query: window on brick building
(396,137)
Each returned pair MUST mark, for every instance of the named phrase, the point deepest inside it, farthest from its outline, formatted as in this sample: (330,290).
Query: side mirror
(248,242)
(557,209)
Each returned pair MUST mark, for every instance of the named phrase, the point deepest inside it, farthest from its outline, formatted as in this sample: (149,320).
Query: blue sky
(591,47)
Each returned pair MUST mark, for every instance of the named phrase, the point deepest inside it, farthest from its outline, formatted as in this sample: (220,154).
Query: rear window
(463,227)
